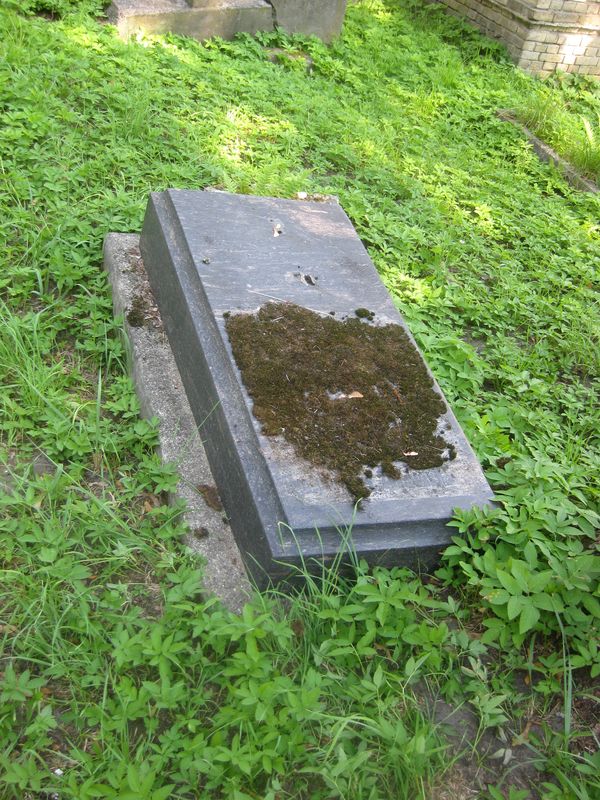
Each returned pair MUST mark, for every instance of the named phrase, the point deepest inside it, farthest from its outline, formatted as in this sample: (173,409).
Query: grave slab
(211,254)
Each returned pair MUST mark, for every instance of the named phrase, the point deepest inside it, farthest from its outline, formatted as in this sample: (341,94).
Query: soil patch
(211,496)
(142,311)
(349,395)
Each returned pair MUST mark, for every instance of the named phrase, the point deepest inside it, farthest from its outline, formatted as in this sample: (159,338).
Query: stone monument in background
(541,35)
(202,19)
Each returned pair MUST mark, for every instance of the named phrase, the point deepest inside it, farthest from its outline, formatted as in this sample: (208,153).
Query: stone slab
(161,394)
(210,253)
(323,18)
(204,19)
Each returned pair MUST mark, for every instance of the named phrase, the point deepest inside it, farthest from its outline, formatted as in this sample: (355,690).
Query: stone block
(199,21)
(202,19)
(162,397)
(209,255)
(323,18)
(528,55)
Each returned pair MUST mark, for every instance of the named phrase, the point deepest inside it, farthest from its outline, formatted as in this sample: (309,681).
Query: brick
(568,17)
(554,58)
(529,55)
(536,35)
(514,40)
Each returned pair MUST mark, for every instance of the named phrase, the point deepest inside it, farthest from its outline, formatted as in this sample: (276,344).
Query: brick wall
(541,35)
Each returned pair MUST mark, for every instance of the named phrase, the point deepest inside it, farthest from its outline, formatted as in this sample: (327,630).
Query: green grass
(115,670)
(565,113)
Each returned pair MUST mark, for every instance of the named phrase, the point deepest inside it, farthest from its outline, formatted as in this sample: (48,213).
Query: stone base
(161,395)
(202,19)
(541,36)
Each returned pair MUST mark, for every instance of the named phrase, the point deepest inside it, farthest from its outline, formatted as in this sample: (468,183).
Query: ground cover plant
(118,678)
(565,113)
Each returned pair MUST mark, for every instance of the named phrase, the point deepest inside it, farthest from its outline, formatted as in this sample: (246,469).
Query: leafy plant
(120,678)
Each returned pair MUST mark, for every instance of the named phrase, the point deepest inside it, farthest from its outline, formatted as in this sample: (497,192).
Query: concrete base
(161,395)
(202,19)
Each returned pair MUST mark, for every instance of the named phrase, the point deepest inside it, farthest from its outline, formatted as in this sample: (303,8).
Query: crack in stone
(273,14)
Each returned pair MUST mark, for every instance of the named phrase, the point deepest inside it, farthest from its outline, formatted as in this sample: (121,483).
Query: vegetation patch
(486,251)
(568,120)
(348,395)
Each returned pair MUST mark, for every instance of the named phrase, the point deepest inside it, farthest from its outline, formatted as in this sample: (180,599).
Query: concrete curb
(161,395)
(546,154)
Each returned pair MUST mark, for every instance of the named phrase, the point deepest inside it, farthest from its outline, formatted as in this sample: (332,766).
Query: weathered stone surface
(323,18)
(208,254)
(202,19)
(162,396)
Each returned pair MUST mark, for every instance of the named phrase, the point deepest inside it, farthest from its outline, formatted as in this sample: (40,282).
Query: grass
(565,113)
(119,678)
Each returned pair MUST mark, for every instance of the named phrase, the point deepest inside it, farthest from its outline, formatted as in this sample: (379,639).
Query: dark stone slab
(210,253)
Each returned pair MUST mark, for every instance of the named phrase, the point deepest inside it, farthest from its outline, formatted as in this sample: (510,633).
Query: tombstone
(219,264)
(202,19)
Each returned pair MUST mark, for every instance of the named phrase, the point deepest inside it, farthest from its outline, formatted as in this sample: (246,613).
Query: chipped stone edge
(161,395)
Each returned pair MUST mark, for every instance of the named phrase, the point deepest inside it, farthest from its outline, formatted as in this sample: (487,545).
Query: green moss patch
(348,395)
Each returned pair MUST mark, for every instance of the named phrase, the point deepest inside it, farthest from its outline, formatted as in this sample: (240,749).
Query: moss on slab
(348,395)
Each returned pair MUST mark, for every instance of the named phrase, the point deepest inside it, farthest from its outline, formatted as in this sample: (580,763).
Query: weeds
(119,678)
(567,123)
